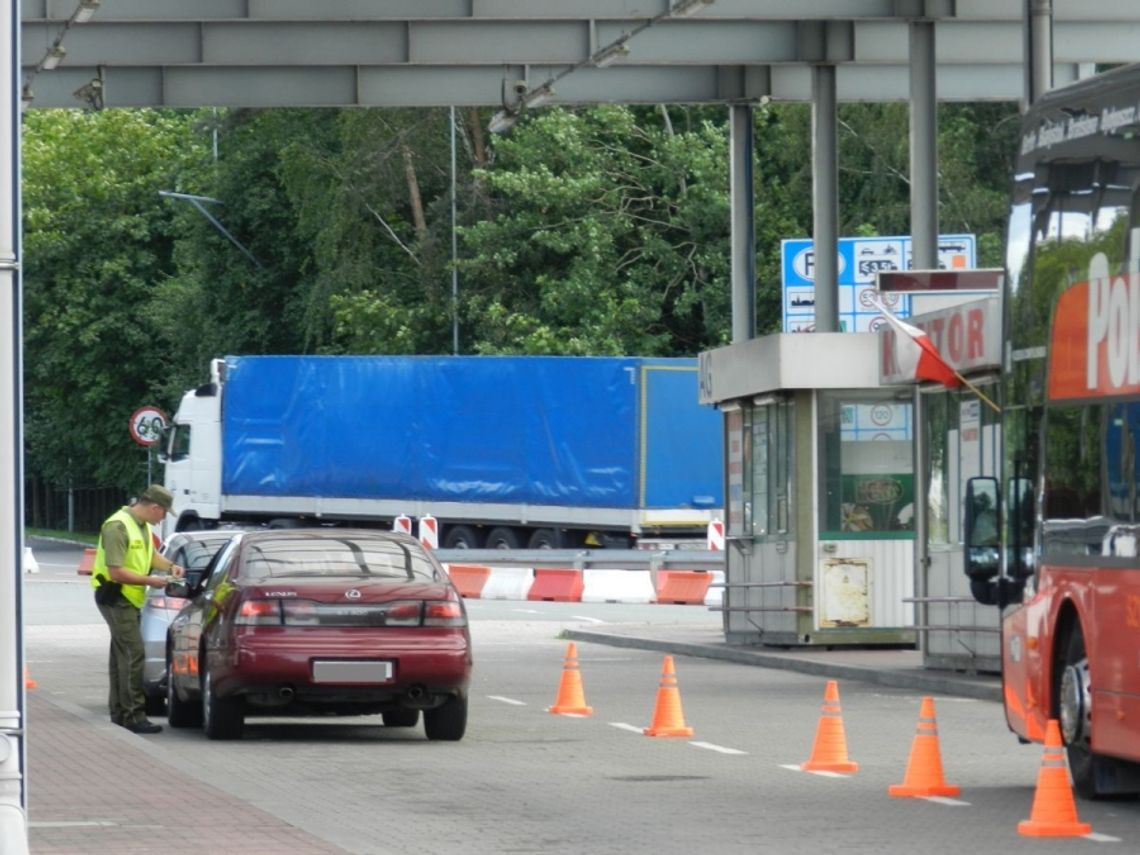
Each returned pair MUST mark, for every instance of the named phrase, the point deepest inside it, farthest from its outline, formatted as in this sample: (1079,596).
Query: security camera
(521,87)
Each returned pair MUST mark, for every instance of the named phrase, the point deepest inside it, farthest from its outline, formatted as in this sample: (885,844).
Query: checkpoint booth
(959,437)
(820,495)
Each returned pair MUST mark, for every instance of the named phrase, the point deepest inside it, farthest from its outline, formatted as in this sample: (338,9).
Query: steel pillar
(13,750)
(825,197)
(1038,49)
(923,148)
(743,209)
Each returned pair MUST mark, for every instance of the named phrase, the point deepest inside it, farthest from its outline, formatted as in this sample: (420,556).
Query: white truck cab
(192,452)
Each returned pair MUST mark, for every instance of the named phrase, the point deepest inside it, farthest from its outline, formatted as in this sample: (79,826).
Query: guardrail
(586,559)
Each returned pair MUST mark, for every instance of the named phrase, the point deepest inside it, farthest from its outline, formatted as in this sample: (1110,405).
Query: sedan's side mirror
(177,588)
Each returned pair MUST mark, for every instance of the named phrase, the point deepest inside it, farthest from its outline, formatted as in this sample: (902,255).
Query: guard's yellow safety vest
(140,552)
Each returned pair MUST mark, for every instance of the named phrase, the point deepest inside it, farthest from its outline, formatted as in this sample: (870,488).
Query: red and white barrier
(428,531)
(617,586)
(683,587)
(716,536)
(402,523)
(566,584)
(715,595)
(469,579)
(508,583)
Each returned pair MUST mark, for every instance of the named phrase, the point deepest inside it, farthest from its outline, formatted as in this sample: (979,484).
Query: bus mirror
(1022,513)
(982,529)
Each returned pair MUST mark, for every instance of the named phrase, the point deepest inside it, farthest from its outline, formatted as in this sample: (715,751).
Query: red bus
(1066,572)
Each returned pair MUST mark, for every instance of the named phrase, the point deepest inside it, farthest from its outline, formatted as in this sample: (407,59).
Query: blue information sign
(860,259)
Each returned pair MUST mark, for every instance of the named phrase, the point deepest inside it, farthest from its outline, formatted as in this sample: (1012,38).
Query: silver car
(192,550)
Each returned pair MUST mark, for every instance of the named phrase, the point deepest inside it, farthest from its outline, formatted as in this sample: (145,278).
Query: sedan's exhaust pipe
(417,696)
(285,693)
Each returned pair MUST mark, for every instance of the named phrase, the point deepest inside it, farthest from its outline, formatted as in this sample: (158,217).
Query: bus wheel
(1075,702)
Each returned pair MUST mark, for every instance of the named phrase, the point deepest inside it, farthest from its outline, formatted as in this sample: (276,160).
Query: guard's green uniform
(124,542)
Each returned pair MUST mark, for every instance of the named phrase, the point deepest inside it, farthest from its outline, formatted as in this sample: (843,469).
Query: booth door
(866,505)
(963,440)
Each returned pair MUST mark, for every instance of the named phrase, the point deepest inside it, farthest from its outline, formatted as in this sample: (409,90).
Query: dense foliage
(595,231)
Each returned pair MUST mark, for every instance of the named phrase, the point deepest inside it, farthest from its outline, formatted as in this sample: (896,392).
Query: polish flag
(915,353)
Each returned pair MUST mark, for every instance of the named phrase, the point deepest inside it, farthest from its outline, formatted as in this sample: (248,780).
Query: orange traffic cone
(1053,814)
(829,753)
(668,719)
(29,683)
(571,700)
(924,768)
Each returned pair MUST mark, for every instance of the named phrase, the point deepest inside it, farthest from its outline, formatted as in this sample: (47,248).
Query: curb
(940,682)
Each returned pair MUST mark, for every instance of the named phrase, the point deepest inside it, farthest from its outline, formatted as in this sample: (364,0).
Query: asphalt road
(524,780)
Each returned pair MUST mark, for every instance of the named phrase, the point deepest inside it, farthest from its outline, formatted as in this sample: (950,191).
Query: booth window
(772,468)
(866,469)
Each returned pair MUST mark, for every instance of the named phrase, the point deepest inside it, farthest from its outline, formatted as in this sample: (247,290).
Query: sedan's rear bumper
(268,663)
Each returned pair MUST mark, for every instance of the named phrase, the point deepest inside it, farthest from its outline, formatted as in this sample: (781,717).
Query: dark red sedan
(321,621)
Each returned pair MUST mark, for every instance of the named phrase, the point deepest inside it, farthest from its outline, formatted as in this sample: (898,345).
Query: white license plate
(358,671)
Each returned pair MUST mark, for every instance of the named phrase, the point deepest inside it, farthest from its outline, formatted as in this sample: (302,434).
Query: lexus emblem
(352,594)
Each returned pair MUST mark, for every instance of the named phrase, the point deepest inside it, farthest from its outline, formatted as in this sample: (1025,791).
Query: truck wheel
(502,538)
(544,538)
(461,537)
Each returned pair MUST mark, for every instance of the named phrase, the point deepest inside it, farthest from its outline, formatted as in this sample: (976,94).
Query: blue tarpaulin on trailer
(582,431)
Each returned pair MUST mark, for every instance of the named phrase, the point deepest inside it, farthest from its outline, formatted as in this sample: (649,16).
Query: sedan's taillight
(291,612)
(259,613)
(444,613)
(166,603)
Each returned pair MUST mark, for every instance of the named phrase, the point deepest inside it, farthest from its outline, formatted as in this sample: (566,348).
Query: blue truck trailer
(504,451)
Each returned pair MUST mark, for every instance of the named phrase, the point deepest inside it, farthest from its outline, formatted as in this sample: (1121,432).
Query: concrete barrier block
(715,596)
(469,578)
(617,586)
(560,584)
(508,583)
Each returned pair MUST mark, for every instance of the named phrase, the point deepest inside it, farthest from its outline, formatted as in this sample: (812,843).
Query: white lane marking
(592,620)
(937,698)
(527,611)
(511,701)
(945,800)
(1101,838)
(794,768)
(621,725)
(719,748)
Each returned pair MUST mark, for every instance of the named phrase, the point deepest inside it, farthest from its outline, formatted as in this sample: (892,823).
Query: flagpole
(976,391)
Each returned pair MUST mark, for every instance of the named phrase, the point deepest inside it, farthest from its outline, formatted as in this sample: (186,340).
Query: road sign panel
(147,425)
(860,261)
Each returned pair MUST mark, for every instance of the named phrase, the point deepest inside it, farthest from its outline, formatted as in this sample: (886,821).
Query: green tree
(98,248)
(608,235)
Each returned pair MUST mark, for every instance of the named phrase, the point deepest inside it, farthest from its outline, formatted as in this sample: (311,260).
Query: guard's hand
(177,571)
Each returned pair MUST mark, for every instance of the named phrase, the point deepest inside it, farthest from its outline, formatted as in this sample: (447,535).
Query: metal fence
(79,509)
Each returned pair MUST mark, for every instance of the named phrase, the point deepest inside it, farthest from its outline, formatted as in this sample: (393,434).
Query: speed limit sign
(147,425)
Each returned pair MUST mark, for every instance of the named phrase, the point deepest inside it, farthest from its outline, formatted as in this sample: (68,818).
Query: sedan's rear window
(332,557)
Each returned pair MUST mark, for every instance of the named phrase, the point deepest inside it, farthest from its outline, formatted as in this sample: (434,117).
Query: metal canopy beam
(467,52)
